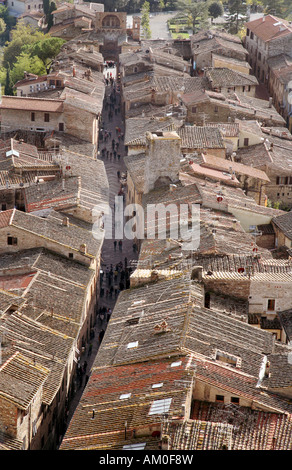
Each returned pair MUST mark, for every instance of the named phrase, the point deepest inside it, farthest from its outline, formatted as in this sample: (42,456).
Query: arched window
(111,21)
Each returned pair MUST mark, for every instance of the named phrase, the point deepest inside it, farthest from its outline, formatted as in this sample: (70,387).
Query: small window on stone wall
(219,399)
(11,241)
(234,400)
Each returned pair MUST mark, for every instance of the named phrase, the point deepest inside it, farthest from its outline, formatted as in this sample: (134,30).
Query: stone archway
(110,50)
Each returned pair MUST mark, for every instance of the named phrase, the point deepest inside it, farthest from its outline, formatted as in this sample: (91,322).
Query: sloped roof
(52,194)
(227,129)
(131,391)
(269,27)
(224,77)
(200,137)
(32,104)
(43,328)
(136,128)
(52,229)
(167,300)
(284,223)
(135,165)
(20,380)
(226,165)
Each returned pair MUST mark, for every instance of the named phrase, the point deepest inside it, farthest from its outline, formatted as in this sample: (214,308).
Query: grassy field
(178,26)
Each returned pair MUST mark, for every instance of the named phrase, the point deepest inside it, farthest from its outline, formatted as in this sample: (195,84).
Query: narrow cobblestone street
(121,257)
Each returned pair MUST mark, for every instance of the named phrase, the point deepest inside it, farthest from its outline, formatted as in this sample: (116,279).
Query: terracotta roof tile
(200,137)
(32,104)
(284,223)
(269,27)
(5,218)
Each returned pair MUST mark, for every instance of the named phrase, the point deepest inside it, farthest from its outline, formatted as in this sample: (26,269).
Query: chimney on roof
(78,189)
(267,369)
(197,273)
(65,221)
(82,248)
(165,442)
(154,276)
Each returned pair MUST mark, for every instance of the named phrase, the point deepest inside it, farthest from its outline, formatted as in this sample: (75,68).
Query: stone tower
(136,28)
(162,163)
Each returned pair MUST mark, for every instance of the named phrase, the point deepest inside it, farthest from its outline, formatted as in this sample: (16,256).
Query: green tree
(2,26)
(237,15)
(196,12)
(9,22)
(276,7)
(170,5)
(8,90)
(215,9)
(21,35)
(46,6)
(133,6)
(145,20)
(46,49)
(49,6)
(29,50)
(26,63)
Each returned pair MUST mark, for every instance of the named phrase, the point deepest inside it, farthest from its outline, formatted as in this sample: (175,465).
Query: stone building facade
(266,37)
(43,115)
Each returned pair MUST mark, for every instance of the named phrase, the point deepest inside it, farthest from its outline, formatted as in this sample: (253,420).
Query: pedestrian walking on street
(120,245)
(100,336)
(115,244)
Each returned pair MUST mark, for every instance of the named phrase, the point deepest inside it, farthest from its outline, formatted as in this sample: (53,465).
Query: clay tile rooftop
(269,27)
(32,104)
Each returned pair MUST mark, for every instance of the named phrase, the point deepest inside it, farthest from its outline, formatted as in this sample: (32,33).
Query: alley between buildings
(118,257)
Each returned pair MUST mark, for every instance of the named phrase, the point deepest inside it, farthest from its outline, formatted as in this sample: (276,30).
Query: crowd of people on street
(117,278)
